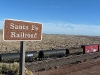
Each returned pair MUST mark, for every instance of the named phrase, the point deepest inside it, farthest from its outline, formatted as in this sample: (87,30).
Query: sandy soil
(49,41)
(86,68)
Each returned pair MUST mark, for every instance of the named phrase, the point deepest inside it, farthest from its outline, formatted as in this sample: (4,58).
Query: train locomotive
(54,53)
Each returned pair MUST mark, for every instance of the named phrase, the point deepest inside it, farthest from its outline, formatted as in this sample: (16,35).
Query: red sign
(21,30)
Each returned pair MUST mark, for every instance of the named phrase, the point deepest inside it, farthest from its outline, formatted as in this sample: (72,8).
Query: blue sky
(74,17)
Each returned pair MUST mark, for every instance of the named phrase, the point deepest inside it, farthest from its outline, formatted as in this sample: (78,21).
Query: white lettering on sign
(34,28)
(23,35)
(13,26)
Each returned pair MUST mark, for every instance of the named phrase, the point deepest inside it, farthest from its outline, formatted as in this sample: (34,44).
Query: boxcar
(90,48)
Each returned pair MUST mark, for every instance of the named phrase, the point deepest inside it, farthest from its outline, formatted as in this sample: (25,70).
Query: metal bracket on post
(22,58)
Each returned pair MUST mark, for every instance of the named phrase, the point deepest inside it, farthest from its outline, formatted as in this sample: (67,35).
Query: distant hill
(49,41)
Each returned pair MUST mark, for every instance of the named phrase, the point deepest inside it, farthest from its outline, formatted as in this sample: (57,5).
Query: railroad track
(58,62)
(85,68)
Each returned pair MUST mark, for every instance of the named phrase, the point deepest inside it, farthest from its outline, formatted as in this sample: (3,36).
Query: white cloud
(68,28)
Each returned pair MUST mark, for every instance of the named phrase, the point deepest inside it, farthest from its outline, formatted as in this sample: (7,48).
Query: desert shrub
(12,69)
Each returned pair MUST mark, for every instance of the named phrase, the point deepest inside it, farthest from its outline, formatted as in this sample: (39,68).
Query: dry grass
(12,69)
(49,41)
(91,67)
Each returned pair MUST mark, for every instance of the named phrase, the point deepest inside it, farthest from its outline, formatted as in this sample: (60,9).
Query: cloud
(73,29)
(67,28)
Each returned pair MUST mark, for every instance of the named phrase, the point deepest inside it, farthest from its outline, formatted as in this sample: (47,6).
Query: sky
(73,17)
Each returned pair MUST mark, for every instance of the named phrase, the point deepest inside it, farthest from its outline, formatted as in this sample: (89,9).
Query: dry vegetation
(12,69)
(49,41)
(91,67)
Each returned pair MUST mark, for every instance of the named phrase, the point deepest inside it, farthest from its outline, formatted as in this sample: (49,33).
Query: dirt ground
(86,68)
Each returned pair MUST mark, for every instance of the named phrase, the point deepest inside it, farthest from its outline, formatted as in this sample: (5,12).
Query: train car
(9,57)
(15,57)
(90,48)
(75,51)
(47,53)
(62,52)
(53,53)
(99,47)
(31,56)
(34,55)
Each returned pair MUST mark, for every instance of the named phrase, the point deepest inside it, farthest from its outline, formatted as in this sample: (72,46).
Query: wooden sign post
(15,30)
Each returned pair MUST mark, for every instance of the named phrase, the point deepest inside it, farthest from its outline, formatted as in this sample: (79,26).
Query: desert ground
(58,41)
(49,41)
(86,68)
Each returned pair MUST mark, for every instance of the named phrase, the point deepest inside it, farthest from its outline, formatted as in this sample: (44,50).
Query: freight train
(54,53)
